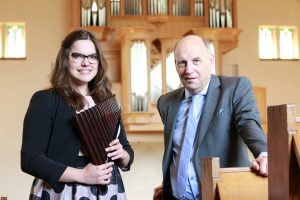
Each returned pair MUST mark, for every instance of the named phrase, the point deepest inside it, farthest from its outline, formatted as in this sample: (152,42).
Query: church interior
(137,38)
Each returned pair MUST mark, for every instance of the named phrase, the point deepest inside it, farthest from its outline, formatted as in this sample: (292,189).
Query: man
(219,114)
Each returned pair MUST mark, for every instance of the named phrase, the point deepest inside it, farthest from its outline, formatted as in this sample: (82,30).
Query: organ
(154,26)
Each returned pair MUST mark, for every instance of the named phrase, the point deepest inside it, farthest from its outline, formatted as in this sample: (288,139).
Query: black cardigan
(50,141)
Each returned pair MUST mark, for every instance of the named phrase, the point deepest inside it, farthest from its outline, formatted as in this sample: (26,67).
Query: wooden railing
(283,182)
(231,183)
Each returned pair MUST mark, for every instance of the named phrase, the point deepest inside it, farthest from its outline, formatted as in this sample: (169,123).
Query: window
(12,40)
(286,43)
(278,42)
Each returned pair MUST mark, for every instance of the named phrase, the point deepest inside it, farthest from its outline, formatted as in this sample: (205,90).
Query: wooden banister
(231,183)
(283,182)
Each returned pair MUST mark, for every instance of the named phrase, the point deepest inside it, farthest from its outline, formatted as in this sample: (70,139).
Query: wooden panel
(116,89)
(234,13)
(210,177)
(242,185)
(192,6)
(294,190)
(296,146)
(142,122)
(278,152)
(112,54)
(260,94)
(279,140)
(206,13)
(75,14)
(231,183)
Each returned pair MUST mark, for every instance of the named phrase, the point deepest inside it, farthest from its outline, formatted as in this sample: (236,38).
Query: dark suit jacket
(50,141)
(230,119)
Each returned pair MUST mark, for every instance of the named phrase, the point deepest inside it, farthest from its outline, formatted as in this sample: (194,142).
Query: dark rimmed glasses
(79,58)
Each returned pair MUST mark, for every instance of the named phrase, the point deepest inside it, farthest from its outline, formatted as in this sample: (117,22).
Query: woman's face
(83,63)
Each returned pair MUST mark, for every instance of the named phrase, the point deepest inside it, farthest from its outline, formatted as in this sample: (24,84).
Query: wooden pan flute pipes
(98,126)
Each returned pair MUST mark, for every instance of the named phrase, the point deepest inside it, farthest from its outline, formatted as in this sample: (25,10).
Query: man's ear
(212,63)
(212,59)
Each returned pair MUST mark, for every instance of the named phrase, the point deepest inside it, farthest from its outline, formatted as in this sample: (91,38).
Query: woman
(51,147)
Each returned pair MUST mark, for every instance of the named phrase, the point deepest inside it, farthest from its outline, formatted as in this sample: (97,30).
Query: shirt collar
(203,92)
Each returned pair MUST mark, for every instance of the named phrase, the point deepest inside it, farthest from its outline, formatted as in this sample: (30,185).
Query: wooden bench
(231,183)
(283,182)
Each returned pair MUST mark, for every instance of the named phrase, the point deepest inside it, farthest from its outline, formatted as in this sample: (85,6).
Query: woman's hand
(90,174)
(116,152)
(97,174)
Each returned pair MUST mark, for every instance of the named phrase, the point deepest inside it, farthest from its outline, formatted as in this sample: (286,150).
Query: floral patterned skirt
(42,190)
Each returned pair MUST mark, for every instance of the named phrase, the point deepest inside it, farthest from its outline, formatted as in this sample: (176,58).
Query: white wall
(281,78)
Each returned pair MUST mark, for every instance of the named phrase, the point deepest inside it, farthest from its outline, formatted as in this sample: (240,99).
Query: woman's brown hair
(61,80)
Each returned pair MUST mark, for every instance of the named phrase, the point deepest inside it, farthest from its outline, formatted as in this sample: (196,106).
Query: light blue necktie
(186,151)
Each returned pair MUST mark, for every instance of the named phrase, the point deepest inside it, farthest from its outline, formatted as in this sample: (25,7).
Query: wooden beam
(206,13)
(210,177)
(296,146)
(75,14)
(234,14)
(281,125)
(192,8)
(295,168)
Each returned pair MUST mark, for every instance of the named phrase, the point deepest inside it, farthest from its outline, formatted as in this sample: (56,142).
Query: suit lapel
(209,107)
(172,112)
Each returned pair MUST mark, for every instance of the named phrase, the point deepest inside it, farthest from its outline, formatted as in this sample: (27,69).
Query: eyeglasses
(79,58)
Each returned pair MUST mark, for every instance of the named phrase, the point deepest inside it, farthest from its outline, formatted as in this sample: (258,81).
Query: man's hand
(158,193)
(260,165)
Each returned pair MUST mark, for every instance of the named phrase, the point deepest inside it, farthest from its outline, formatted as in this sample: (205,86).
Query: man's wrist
(263,154)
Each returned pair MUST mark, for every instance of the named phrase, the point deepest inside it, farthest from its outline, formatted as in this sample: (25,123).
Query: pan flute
(97,127)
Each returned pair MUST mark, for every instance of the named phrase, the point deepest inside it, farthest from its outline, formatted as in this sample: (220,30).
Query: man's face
(193,63)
